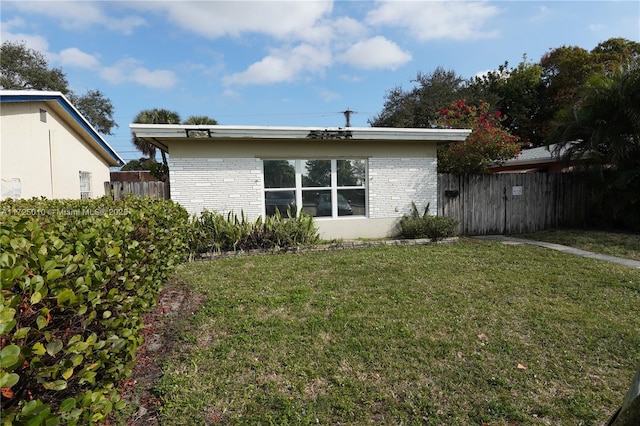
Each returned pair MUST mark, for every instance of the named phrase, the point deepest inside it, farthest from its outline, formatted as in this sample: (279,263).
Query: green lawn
(612,243)
(456,334)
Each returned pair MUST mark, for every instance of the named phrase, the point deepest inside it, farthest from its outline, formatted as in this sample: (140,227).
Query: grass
(458,334)
(611,243)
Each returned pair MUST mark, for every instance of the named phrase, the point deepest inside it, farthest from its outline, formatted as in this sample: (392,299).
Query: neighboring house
(542,159)
(356,182)
(48,149)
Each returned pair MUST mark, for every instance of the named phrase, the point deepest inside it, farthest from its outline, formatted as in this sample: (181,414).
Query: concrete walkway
(511,240)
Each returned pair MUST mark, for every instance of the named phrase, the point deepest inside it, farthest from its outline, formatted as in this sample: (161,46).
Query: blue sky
(291,63)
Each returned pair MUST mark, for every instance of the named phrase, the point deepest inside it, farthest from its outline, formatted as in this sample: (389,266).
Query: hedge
(76,277)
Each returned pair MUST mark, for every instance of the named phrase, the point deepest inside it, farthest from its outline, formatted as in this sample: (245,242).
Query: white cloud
(76,58)
(431,20)
(215,19)
(130,70)
(79,15)
(540,14)
(232,94)
(375,53)
(283,65)
(34,42)
(328,95)
(597,27)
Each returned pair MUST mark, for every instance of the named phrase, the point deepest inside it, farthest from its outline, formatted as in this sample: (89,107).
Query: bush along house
(357,182)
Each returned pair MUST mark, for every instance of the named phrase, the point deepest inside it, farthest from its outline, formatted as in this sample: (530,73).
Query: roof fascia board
(37,96)
(178,131)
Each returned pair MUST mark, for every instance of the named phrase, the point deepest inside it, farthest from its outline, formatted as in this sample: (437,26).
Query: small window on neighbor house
(85,185)
(43,115)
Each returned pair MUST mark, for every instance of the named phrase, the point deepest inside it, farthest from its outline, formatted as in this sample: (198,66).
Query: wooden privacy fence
(153,189)
(513,203)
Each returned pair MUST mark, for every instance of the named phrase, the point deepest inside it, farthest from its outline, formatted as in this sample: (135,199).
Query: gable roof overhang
(61,105)
(160,135)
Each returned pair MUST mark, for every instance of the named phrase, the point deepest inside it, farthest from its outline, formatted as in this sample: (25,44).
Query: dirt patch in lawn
(161,326)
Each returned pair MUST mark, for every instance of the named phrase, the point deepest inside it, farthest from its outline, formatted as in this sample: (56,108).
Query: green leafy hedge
(435,228)
(76,276)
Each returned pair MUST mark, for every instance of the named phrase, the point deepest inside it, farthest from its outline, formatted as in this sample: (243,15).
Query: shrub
(213,232)
(76,277)
(435,228)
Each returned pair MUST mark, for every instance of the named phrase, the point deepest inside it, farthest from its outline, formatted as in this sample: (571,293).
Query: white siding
(45,158)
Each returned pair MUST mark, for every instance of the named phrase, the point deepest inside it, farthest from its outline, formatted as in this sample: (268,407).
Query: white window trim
(85,184)
(334,188)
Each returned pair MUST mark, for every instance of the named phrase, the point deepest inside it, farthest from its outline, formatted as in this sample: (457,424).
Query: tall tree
(605,121)
(603,127)
(564,71)
(96,108)
(419,106)
(22,68)
(515,93)
(615,52)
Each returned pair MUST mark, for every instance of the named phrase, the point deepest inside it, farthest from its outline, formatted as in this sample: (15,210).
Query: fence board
(151,189)
(512,203)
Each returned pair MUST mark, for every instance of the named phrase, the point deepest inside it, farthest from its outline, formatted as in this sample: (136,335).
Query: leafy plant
(214,232)
(436,228)
(488,142)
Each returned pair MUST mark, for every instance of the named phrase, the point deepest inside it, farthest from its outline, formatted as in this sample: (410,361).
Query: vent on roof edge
(198,133)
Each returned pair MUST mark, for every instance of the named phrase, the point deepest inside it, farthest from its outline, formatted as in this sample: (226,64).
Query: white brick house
(356,182)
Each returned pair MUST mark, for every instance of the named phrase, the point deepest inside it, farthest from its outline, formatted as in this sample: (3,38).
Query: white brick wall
(220,184)
(396,182)
(236,184)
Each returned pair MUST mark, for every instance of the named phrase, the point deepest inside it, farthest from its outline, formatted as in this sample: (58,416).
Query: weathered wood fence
(154,189)
(513,203)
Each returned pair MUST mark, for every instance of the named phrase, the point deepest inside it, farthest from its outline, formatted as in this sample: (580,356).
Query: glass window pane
(279,174)
(281,201)
(351,202)
(317,203)
(316,173)
(350,172)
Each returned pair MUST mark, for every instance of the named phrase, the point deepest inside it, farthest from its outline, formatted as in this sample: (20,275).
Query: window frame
(333,188)
(85,183)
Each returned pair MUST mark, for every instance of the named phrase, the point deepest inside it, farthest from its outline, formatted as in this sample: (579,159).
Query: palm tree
(200,119)
(154,116)
(604,128)
(605,121)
